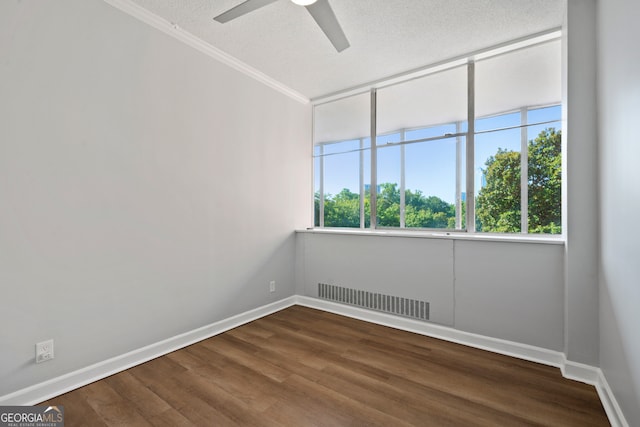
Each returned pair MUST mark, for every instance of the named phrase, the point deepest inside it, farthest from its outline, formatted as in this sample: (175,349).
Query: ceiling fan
(320,10)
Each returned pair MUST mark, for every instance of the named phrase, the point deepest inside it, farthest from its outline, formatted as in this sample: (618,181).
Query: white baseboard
(572,370)
(595,377)
(609,402)
(62,384)
(580,372)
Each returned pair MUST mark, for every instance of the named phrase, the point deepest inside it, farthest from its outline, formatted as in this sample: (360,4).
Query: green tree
(388,205)
(498,202)
(427,212)
(545,183)
(343,210)
(316,209)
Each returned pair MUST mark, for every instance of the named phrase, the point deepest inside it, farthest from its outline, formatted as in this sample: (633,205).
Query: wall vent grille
(399,306)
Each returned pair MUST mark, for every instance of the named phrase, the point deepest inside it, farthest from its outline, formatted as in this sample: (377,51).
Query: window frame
(469,152)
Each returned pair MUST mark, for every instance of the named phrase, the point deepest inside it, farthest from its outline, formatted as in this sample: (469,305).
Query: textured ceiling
(387,37)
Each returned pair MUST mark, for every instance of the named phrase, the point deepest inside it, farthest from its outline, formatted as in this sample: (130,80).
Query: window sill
(447,235)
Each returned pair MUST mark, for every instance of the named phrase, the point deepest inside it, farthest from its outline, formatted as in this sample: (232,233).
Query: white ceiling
(387,37)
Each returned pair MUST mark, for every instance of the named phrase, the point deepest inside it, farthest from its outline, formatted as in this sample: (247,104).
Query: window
(342,162)
(420,138)
(426,159)
(517,165)
(505,191)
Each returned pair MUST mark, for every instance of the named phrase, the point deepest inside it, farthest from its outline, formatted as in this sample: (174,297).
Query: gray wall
(619,102)
(412,268)
(146,189)
(580,180)
(513,291)
(489,288)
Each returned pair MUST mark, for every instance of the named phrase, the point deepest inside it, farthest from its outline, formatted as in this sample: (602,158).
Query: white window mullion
(402,181)
(470,164)
(458,177)
(524,173)
(321,201)
(362,219)
(373,189)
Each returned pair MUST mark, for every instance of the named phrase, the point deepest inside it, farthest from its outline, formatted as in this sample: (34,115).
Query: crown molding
(173,30)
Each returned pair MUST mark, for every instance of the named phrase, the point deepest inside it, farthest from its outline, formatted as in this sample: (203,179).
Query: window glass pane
(497,178)
(366,176)
(544,171)
(498,122)
(388,190)
(461,191)
(316,187)
(534,131)
(430,181)
(545,114)
(342,188)
(390,138)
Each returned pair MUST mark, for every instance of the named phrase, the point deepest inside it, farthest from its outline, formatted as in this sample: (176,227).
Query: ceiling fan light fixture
(320,11)
(304,2)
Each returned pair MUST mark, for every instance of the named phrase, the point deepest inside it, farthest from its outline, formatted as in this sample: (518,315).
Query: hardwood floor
(304,367)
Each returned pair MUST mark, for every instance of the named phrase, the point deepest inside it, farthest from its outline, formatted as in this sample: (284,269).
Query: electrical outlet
(272,286)
(44,351)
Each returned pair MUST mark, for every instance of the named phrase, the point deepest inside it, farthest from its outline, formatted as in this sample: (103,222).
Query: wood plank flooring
(304,367)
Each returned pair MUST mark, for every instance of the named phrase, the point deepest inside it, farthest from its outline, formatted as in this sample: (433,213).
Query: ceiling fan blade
(242,9)
(323,14)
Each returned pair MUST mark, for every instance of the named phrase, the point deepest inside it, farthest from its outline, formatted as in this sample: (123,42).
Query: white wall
(145,189)
(619,109)
(482,287)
